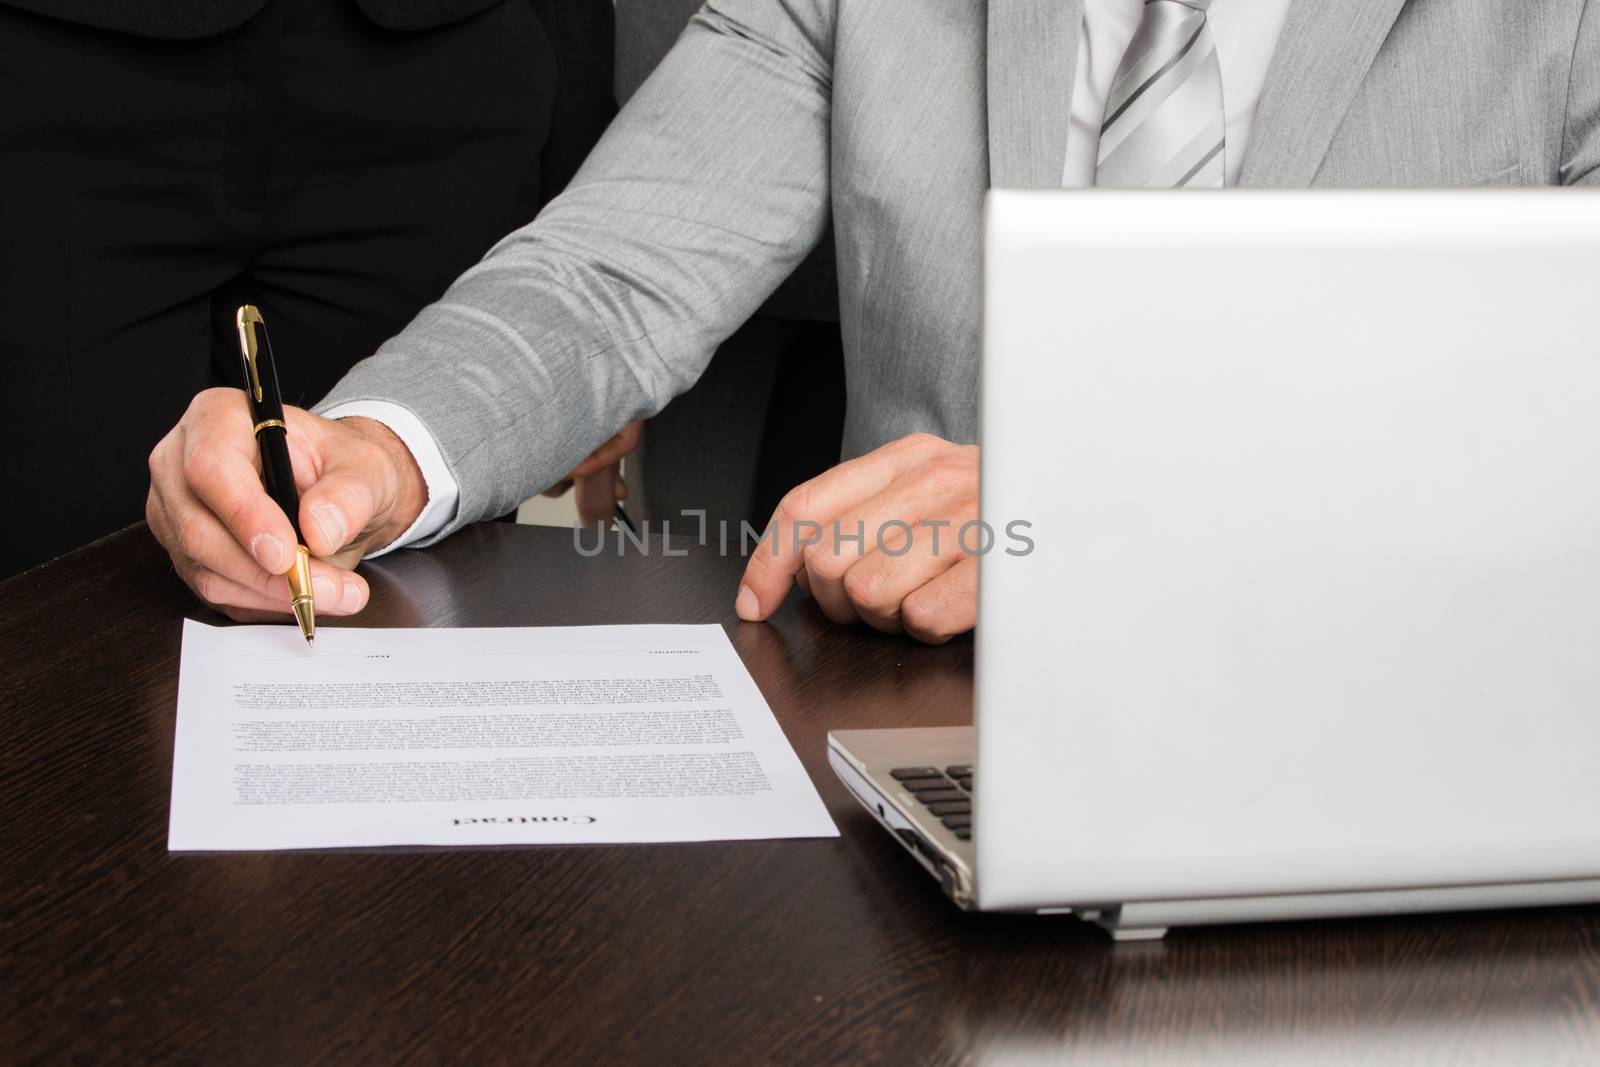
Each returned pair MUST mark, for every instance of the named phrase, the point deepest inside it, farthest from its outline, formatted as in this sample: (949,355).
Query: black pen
(272,436)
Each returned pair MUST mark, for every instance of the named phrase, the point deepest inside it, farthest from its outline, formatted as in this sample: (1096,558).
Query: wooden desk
(809,951)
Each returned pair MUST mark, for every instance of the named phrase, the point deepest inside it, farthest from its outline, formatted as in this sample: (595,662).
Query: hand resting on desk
(879,539)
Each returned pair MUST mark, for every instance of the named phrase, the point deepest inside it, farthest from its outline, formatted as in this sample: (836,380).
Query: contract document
(477,737)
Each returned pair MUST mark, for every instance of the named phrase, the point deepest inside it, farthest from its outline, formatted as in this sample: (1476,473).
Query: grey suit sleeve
(704,194)
(1580,158)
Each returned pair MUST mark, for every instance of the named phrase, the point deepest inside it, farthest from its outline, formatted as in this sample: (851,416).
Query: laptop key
(934,796)
(957,822)
(965,783)
(922,785)
(960,770)
(952,807)
(900,774)
(963,835)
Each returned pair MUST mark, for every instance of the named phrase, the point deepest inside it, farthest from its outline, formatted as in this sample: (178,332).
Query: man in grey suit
(718,177)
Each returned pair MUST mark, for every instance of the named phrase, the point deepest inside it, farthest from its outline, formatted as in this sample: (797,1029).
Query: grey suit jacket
(646,32)
(718,176)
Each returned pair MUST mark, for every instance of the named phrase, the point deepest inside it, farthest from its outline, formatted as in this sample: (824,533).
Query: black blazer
(181,20)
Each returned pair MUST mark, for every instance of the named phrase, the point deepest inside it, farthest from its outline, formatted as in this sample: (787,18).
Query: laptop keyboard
(946,793)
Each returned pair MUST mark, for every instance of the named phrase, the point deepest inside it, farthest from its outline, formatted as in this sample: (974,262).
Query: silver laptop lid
(1314,490)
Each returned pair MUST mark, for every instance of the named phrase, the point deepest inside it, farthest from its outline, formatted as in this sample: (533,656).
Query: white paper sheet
(477,737)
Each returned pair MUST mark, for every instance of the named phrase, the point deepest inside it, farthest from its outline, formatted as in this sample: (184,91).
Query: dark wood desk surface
(797,951)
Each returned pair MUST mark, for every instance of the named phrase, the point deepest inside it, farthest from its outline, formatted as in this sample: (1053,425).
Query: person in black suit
(336,162)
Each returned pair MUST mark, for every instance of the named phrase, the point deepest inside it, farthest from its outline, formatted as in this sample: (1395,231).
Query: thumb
(344,505)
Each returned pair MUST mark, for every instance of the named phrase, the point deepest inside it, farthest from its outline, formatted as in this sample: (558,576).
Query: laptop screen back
(1312,482)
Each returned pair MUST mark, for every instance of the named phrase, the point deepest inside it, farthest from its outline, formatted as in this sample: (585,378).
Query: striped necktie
(1165,127)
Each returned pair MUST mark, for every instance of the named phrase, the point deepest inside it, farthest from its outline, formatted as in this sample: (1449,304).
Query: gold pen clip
(249,320)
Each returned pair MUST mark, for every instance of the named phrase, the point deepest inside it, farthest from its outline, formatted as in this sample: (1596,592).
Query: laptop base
(865,759)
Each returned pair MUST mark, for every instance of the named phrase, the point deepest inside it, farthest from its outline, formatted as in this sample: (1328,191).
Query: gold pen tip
(306,616)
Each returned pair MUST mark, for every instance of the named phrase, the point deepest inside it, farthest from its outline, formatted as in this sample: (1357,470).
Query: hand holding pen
(353,488)
(358,489)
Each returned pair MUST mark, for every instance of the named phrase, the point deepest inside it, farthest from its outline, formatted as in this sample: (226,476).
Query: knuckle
(209,402)
(949,470)
(207,586)
(156,462)
(799,502)
(197,466)
(924,618)
(219,397)
(942,482)
(238,516)
(824,560)
(190,535)
(865,587)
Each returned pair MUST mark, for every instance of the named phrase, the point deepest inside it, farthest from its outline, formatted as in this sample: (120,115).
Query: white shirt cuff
(443,492)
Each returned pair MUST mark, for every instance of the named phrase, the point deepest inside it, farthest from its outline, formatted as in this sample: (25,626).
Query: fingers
(344,591)
(808,510)
(597,495)
(944,607)
(236,606)
(877,584)
(202,542)
(877,539)
(219,468)
(226,594)
(249,587)
(907,531)
(223,593)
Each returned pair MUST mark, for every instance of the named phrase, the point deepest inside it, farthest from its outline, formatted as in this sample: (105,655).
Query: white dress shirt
(1246,34)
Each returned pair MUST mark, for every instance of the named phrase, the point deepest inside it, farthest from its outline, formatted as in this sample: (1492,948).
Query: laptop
(1310,624)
